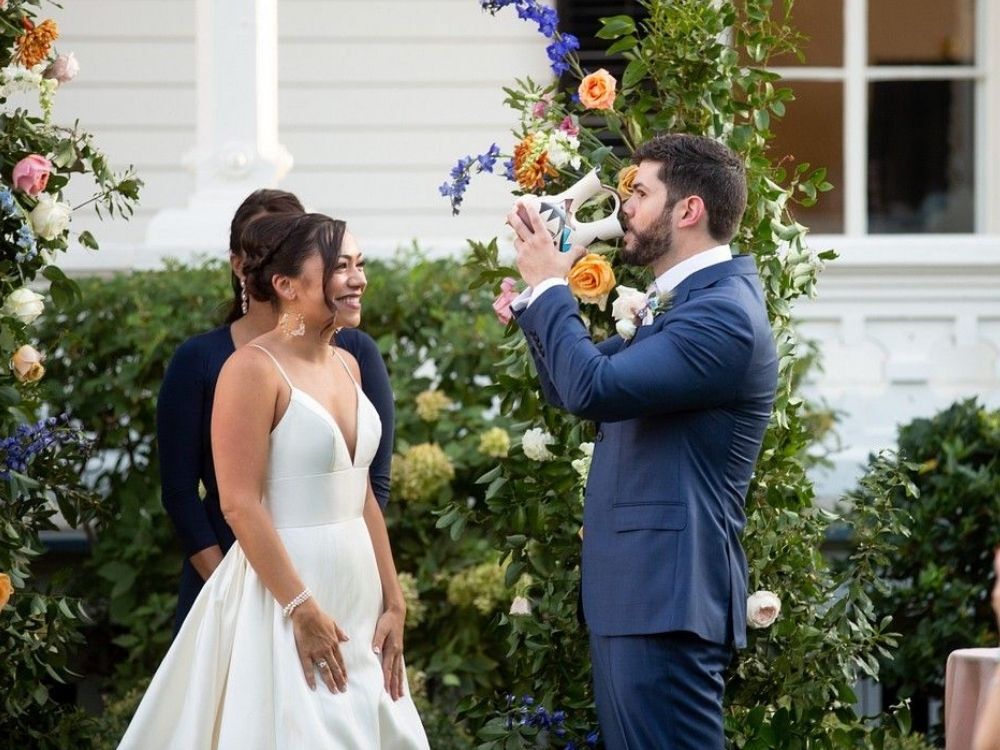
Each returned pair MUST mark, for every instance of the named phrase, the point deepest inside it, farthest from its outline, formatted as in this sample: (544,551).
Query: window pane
(822,22)
(812,131)
(920,156)
(921,32)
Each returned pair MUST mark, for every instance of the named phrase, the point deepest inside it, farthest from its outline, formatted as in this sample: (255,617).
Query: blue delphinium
(524,713)
(8,205)
(548,21)
(29,440)
(461,173)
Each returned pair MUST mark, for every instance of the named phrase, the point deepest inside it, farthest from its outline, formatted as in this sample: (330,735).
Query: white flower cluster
(16,79)
(563,148)
(582,465)
(535,444)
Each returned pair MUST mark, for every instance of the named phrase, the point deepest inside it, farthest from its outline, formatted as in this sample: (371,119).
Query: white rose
(520,607)
(535,442)
(50,218)
(24,305)
(63,69)
(626,329)
(763,608)
(628,303)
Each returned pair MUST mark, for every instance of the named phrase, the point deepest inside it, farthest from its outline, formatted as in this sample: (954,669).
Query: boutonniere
(632,307)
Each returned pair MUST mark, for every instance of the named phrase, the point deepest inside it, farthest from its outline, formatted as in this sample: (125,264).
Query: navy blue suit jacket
(184,437)
(681,411)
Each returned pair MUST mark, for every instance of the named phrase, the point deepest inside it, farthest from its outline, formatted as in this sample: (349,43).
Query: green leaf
(635,71)
(87,240)
(622,45)
(616,26)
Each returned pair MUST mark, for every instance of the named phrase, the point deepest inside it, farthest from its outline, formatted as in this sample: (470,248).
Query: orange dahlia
(33,46)
(531,164)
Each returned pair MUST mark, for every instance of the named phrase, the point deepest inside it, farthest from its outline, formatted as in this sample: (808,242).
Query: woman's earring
(292,324)
(244,297)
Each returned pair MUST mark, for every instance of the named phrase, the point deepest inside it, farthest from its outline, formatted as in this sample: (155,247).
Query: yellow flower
(481,587)
(494,442)
(625,179)
(34,44)
(27,364)
(6,589)
(597,91)
(592,280)
(431,403)
(421,472)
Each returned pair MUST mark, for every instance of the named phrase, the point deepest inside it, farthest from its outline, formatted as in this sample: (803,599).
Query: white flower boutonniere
(632,308)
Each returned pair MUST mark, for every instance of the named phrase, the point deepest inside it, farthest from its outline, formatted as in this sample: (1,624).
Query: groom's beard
(650,245)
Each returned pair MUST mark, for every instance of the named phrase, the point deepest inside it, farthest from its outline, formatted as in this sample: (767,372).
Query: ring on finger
(322,664)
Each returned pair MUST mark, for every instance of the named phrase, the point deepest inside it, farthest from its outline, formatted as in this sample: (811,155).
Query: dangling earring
(292,324)
(244,297)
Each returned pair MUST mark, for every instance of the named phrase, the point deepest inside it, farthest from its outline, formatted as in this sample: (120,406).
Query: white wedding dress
(232,679)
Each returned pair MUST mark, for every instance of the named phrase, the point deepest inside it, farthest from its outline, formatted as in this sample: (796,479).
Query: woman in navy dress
(184,412)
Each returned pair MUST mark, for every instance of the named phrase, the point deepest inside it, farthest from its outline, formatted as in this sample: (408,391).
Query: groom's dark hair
(696,165)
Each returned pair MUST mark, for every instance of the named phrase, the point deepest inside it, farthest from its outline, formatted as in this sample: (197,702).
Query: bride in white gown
(296,640)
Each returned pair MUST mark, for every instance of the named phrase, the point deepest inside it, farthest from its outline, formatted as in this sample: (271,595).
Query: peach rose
(6,589)
(592,280)
(625,179)
(31,174)
(597,90)
(27,364)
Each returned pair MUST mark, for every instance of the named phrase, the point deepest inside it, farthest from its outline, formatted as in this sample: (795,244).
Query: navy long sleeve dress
(184,429)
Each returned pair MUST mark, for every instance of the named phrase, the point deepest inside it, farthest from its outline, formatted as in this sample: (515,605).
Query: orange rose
(625,179)
(6,589)
(597,91)
(592,279)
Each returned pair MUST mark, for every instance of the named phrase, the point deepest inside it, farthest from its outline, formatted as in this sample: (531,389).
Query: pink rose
(31,174)
(540,107)
(501,306)
(569,126)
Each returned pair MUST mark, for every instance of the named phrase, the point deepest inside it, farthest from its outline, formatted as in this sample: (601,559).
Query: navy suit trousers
(659,692)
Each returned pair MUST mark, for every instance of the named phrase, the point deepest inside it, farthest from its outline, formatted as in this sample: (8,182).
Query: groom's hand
(538,258)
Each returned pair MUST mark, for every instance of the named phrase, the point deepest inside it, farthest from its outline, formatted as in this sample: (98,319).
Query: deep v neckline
(321,410)
(325,413)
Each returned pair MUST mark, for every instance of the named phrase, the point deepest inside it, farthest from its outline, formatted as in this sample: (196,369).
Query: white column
(237,148)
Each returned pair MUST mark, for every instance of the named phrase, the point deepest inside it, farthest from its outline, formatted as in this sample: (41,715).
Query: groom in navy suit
(681,409)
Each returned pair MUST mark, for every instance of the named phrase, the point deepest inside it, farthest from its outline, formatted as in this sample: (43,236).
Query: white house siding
(377,100)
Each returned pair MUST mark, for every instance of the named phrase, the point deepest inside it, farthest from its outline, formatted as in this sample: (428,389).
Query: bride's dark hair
(258,203)
(281,243)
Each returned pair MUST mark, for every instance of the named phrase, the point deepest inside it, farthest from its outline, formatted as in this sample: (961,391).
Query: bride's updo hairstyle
(281,243)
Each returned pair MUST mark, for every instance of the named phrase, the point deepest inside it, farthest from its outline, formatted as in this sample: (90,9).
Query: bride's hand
(318,639)
(388,642)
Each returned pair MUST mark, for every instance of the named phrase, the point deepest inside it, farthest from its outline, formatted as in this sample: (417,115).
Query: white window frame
(856,74)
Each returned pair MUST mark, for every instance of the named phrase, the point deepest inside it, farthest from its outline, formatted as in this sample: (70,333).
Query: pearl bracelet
(287,610)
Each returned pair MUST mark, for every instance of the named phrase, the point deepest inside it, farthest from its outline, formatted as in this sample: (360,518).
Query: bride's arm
(242,416)
(388,639)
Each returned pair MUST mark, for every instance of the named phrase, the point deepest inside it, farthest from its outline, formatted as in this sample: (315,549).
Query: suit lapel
(740,265)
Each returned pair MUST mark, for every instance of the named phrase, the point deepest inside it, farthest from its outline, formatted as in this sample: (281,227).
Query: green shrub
(937,581)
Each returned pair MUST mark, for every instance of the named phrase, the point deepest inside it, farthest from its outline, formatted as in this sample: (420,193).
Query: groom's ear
(691,212)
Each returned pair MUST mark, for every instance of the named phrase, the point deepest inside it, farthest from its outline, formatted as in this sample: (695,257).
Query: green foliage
(112,351)
(41,455)
(937,582)
(699,68)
